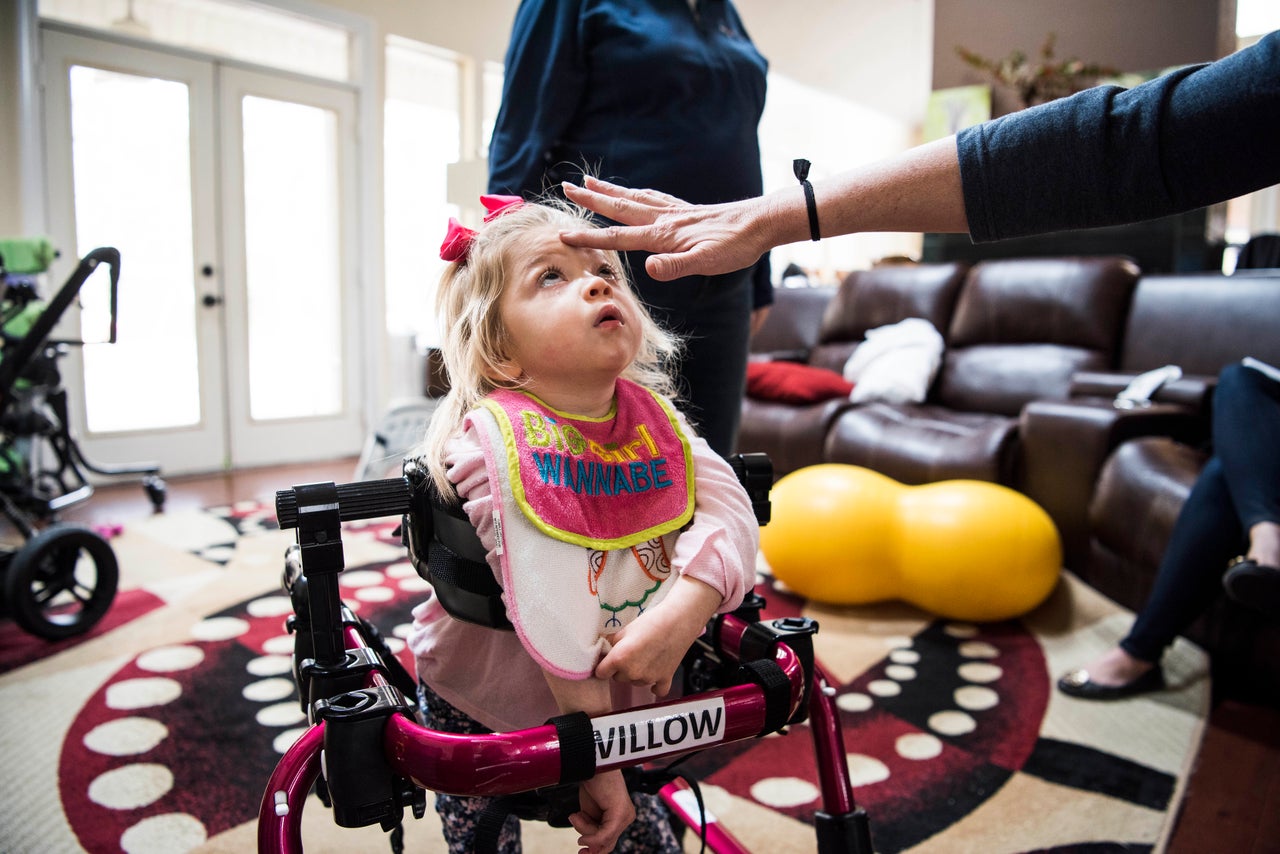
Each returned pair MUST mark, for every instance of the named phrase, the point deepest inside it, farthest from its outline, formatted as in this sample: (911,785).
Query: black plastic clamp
(361,784)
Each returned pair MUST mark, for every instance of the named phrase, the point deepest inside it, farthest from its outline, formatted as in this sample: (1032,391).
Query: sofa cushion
(791,435)
(922,443)
(1022,327)
(792,382)
(790,329)
(884,295)
(1185,320)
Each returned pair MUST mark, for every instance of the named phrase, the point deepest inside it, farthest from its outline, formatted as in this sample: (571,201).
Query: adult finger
(665,268)
(620,237)
(643,197)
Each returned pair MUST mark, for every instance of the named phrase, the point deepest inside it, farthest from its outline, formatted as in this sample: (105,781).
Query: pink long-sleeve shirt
(487,673)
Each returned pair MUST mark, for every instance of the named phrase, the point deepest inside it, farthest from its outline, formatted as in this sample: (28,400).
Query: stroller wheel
(61,582)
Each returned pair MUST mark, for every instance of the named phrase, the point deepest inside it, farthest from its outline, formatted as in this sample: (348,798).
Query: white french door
(229,193)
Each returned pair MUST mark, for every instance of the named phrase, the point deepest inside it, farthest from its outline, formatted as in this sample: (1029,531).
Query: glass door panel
(292,287)
(131,156)
(293,272)
(131,145)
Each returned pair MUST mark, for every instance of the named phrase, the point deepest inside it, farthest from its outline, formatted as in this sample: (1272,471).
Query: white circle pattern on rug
(219,628)
(854,701)
(132,786)
(270,665)
(782,792)
(976,671)
(133,694)
(976,698)
(952,723)
(126,736)
(900,672)
(884,688)
(282,742)
(268,690)
(270,606)
(174,833)
(903,662)
(978,649)
(280,715)
(865,770)
(918,746)
(170,659)
(278,645)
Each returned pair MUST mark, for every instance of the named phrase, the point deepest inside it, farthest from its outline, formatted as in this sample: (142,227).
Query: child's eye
(550,276)
(607,271)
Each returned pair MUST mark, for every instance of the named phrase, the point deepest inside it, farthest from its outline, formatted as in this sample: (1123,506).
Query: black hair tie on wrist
(801,168)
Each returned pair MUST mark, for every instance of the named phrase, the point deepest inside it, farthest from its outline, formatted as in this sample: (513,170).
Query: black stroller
(62,579)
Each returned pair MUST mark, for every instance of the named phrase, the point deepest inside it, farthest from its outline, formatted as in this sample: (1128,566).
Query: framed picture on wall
(952,110)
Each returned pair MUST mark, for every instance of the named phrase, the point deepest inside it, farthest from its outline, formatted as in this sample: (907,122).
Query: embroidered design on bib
(619,588)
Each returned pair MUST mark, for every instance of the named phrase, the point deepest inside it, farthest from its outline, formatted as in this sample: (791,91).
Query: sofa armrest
(1190,390)
(1064,444)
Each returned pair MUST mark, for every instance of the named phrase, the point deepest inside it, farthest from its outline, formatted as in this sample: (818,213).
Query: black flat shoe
(1254,585)
(1078,683)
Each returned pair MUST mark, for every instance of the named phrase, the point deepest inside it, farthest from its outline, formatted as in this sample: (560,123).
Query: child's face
(572,323)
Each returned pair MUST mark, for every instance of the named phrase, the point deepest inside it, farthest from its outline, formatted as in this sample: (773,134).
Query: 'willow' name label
(645,733)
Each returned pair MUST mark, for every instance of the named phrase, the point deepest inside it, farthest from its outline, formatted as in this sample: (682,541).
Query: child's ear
(503,372)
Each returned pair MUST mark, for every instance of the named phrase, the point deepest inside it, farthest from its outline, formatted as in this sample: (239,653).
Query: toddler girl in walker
(613,529)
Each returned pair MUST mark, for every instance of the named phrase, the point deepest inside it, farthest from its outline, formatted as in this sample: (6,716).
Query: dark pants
(712,314)
(650,833)
(1239,487)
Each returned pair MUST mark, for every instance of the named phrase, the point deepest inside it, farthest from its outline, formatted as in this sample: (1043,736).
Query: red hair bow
(457,239)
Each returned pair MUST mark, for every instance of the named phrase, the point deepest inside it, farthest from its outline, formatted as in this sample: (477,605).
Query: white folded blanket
(896,363)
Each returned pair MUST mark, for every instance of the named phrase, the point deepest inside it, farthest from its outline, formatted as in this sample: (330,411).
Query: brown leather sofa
(794,435)
(1036,353)
(1015,331)
(1115,479)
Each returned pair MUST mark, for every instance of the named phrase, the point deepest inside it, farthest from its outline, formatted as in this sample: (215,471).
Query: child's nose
(598,287)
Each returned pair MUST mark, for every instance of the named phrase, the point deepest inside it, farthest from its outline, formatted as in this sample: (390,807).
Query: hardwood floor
(1232,802)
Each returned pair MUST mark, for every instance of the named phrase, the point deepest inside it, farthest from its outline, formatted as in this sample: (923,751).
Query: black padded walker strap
(777,693)
(577,746)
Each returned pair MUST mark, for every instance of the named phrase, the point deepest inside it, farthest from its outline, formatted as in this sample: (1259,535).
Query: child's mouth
(609,316)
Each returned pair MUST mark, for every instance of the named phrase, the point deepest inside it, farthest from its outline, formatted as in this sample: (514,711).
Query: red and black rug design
(945,732)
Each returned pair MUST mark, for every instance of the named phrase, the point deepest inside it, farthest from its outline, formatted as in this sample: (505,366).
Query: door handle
(211,300)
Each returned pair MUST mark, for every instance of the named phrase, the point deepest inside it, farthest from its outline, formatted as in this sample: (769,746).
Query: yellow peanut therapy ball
(962,549)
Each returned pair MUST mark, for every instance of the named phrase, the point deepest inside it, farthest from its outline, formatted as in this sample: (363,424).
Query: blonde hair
(475,343)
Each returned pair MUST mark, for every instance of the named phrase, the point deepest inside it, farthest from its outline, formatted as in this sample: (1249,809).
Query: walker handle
(367,499)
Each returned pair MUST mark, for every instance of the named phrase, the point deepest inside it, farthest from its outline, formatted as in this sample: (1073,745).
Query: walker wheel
(61,582)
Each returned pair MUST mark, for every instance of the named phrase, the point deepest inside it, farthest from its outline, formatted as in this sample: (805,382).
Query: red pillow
(793,382)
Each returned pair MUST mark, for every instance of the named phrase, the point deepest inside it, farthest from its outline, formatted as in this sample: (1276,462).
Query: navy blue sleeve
(1106,156)
(545,75)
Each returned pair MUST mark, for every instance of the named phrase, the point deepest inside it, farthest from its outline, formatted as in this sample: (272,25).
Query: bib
(604,483)
(586,515)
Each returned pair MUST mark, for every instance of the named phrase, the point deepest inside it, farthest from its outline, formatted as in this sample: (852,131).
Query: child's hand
(648,651)
(606,812)
(644,654)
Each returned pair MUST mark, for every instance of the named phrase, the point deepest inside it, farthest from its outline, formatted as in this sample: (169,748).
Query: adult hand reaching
(918,190)
(687,239)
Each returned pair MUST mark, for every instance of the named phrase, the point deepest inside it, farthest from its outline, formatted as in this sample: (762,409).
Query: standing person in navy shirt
(653,93)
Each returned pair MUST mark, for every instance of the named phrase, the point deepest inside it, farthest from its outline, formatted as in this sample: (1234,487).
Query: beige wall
(1133,35)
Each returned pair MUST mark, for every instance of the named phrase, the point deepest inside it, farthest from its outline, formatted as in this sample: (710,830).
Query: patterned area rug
(157,733)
